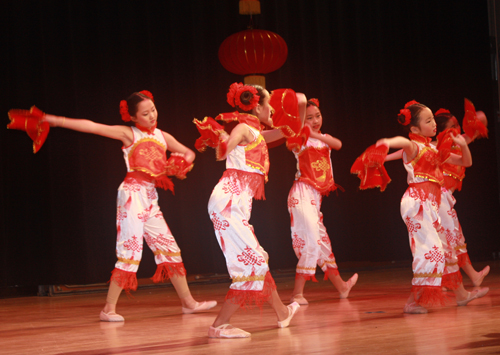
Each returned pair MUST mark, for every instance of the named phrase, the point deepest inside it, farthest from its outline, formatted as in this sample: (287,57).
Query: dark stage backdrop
(363,60)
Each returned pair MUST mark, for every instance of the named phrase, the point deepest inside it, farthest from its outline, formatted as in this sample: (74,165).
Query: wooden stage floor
(371,321)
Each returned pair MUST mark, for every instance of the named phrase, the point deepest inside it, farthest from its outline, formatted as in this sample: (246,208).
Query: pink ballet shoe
(222,331)
(111,317)
(482,274)
(292,309)
(299,298)
(473,295)
(350,284)
(413,308)
(200,307)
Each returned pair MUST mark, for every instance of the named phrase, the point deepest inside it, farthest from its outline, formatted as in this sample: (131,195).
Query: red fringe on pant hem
(428,296)
(452,281)
(164,271)
(125,279)
(248,299)
(331,271)
(306,277)
(463,259)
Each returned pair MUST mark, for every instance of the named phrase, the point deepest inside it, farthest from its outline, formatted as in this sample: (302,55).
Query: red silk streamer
(370,169)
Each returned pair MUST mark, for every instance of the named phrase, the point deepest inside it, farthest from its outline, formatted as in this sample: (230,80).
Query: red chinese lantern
(253,53)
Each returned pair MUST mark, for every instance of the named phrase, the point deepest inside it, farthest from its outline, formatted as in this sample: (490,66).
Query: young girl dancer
(229,207)
(453,176)
(420,204)
(138,214)
(451,231)
(313,179)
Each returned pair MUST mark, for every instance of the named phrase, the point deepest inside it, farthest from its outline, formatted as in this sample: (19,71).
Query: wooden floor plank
(371,321)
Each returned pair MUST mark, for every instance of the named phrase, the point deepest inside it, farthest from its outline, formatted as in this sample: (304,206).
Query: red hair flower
(234,96)
(412,102)
(441,110)
(148,94)
(253,102)
(315,101)
(407,113)
(232,93)
(124,111)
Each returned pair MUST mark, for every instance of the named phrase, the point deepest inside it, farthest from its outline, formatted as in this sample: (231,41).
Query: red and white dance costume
(420,212)
(230,207)
(138,214)
(314,178)
(453,176)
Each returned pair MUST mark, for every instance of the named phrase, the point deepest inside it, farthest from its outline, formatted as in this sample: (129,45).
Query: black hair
(442,120)
(133,100)
(311,103)
(415,110)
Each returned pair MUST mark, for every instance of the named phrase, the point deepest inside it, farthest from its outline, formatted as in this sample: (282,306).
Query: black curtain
(363,60)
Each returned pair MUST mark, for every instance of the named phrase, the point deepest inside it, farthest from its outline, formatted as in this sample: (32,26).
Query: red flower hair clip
(232,93)
(314,101)
(407,113)
(412,102)
(234,96)
(441,110)
(148,94)
(124,111)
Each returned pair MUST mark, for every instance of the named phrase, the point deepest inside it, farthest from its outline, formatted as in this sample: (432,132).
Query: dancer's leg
(108,314)
(412,307)
(281,310)
(476,277)
(298,289)
(225,314)
(114,292)
(182,289)
(304,203)
(337,281)
(464,297)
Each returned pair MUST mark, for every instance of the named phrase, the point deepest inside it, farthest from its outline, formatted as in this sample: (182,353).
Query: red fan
(286,112)
(177,166)
(32,123)
(370,169)
(473,127)
(210,132)
(445,142)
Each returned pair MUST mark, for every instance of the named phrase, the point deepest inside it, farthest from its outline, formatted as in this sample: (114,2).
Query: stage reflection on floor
(370,321)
